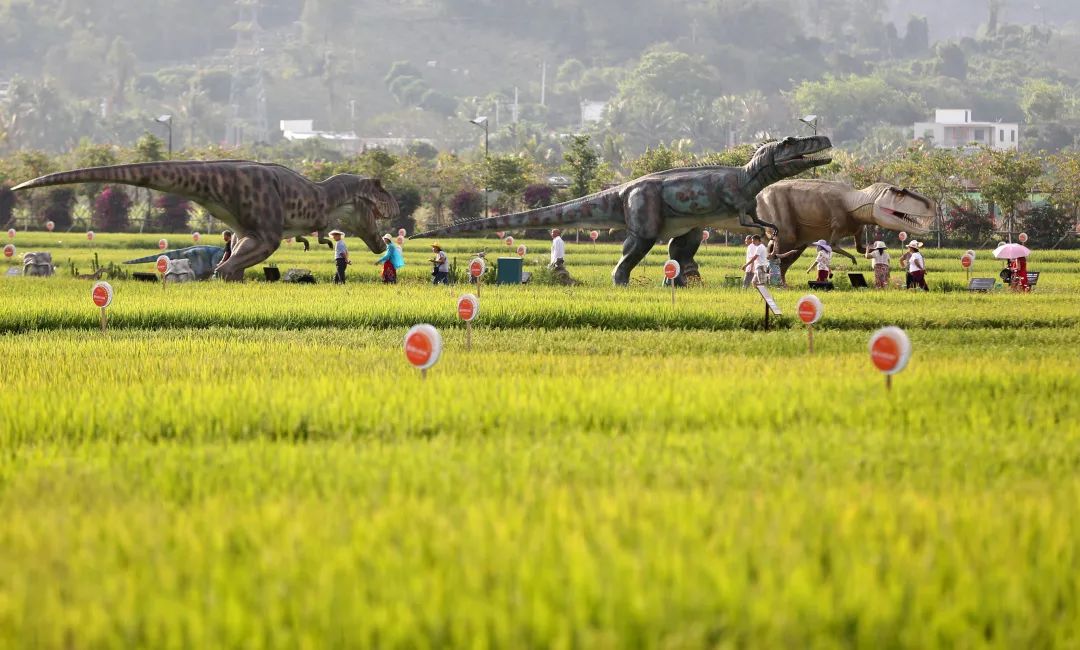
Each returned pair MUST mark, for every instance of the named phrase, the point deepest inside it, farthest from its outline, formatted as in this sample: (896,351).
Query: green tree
(582,164)
(509,174)
(1042,101)
(1006,178)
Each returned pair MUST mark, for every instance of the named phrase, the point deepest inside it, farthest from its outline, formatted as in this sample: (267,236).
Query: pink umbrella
(1011,251)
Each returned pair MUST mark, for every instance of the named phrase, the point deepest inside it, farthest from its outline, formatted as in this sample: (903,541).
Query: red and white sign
(1023,237)
(102,294)
(965,261)
(890,349)
(477,267)
(50,226)
(705,234)
(162,244)
(400,240)
(509,241)
(809,309)
(9,250)
(401,232)
(468,307)
(902,236)
(11,233)
(594,235)
(162,264)
(195,237)
(671,269)
(522,249)
(90,235)
(423,345)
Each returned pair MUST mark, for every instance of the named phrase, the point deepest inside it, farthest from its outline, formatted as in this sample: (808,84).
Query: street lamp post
(811,121)
(167,121)
(483,121)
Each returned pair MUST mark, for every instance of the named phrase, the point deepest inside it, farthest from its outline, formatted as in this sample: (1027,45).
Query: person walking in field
(558,249)
(441,272)
(772,255)
(758,263)
(747,267)
(392,260)
(823,261)
(226,235)
(341,255)
(917,266)
(880,256)
(904,260)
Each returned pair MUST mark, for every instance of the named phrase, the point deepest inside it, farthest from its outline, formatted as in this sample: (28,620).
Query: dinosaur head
(791,156)
(900,209)
(365,204)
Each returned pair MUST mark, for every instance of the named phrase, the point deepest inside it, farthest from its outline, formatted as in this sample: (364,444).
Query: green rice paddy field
(256,465)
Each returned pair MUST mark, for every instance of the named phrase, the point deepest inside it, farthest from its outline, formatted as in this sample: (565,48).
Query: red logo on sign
(90,235)
(807,311)
(9,250)
(965,261)
(594,235)
(101,296)
(49,225)
(418,348)
(476,268)
(466,309)
(162,264)
(509,241)
(705,235)
(885,353)
(671,270)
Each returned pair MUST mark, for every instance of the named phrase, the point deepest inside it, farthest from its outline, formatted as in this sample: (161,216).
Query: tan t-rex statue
(807,210)
(262,202)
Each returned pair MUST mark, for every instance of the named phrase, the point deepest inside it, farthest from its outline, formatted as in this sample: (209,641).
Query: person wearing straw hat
(391,261)
(441,273)
(917,266)
(341,255)
(880,255)
(822,261)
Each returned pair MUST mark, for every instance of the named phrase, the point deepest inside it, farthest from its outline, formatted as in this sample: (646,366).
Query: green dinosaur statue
(806,210)
(262,202)
(676,204)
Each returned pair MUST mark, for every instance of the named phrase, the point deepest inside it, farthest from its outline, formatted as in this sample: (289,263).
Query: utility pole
(543,82)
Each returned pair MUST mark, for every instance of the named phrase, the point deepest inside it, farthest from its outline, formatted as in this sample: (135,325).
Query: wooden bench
(981,284)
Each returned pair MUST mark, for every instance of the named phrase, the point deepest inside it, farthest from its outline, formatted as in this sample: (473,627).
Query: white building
(345,141)
(953,128)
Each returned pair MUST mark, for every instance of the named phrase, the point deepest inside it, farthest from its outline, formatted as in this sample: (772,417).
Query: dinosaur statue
(806,210)
(674,204)
(180,271)
(262,202)
(203,259)
(38,264)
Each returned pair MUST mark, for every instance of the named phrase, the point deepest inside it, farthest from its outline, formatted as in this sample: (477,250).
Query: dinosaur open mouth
(822,157)
(903,216)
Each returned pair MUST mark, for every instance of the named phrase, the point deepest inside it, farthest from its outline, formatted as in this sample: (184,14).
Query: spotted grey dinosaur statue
(262,202)
(203,259)
(806,210)
(676,204)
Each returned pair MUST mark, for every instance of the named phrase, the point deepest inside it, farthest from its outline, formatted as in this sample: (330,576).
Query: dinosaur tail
(167,176)
(600,210)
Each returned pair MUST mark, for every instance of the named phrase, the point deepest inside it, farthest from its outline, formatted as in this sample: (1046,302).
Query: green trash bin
(508,270)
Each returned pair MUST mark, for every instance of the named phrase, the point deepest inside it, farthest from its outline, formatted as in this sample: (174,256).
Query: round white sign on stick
(509,241)
(423,345)
(522,249)
(90,235)
(477,267)
(671,269)
(965,261)
(468,307)
(890,350)
(594,235)
(102,294)
(162,244)
(162,264)
(401,232)
(11,233)
(9,250)
(809,309)
(50,226)
(902,236)
(195,237)
(1023,237)
(705,234)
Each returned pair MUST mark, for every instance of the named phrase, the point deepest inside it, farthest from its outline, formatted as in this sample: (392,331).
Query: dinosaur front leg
(750,220)
(305,242)
(682,249)
(248,251)
(329,243)
(837,249)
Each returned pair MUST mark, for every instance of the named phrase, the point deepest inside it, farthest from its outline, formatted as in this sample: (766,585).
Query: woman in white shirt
(880,256)
(822,261)
(917,266)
